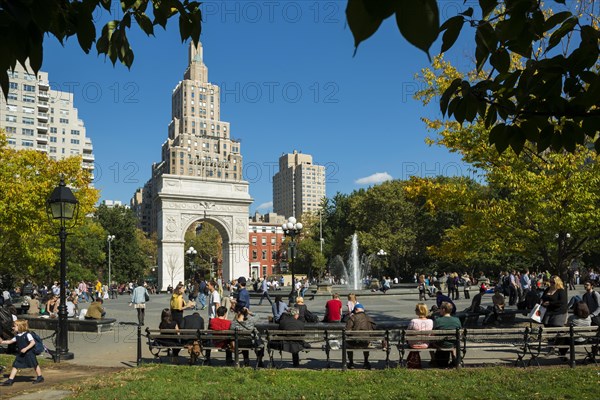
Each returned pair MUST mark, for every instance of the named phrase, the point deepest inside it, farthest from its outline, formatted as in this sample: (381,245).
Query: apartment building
(298,186)
(35,117)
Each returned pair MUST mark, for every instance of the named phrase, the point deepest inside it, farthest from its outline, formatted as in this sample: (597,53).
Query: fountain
(354,275)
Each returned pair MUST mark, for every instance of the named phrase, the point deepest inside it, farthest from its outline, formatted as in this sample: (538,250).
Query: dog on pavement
(195,351)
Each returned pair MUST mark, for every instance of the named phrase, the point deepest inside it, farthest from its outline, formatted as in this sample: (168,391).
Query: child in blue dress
(26,357)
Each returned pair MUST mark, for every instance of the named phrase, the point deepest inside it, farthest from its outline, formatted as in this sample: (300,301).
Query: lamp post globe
(191,252)
(62,206)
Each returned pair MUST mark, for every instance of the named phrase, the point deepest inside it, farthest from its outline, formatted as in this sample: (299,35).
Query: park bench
(164,341)
(478,343)
(312,340)
(235,340)
(432,338)
(167,340)
(374,340)
(547,342)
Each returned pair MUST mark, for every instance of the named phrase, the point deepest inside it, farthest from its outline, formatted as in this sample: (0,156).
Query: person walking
(25,357)
(264,288)
(139,296)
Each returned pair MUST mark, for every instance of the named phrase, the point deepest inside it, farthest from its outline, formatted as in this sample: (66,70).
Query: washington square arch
(199,179)
(181,202)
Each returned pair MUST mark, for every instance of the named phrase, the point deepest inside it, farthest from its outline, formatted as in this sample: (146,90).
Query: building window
(64,121)
(74,132)
(13,96)
(27,132)
(53,139)
(11,129)
(13,85)
(264,241)
(27,143)
(273,255)
(29,88)
(264,254)
(74,141)
(11,118)
(273,240)
(28,121)
(254,254)
(28,99)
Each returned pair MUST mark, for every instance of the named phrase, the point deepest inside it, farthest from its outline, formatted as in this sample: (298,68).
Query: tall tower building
(199,179)
(299,186)
(199,143)
(36,117)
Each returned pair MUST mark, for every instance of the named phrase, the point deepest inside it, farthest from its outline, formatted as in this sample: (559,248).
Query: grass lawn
(157,382)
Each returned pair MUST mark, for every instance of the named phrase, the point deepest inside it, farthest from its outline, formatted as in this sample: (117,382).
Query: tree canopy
(551,99)
(540,207)
(24,24)
(28,241)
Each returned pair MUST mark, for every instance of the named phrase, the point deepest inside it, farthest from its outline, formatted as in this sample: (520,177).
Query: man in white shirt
(214,299)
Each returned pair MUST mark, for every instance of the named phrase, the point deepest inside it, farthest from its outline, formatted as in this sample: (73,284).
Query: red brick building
(265,238)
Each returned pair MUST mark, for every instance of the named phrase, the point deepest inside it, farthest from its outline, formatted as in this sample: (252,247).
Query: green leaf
(491,116)
(500,60)
(556,19)
(185,27)
(530,130)
(448,93)
(419,22)
(86,32)
(472,107)
(452,29)
(36,52)
(461,110)
(516,139)
(486,41)
(144,23)
(361,23)
(380,9)
(106,4)
(499,138)
(564,29)
(545,139)
(4,82)
(487,6)
(468,12)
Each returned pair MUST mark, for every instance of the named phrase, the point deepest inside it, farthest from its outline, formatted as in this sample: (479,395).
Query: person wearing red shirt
(221,323)
(333,309)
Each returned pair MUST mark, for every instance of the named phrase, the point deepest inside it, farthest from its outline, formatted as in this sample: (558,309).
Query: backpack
(39,347)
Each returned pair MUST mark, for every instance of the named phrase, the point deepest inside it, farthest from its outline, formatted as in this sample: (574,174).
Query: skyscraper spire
(196,70)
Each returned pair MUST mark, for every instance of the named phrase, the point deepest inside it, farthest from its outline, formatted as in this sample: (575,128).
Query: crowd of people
(523,289)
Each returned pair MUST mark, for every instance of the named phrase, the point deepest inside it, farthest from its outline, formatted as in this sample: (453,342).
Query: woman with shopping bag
(555,300)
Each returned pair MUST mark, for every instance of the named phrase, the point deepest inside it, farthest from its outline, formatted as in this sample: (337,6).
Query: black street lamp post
(292,229)
(63,206)
(191,252)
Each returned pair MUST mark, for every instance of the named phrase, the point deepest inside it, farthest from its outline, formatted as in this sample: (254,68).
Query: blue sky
(289,81)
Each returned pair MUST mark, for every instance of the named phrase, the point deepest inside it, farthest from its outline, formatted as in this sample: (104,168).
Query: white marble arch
(182,200)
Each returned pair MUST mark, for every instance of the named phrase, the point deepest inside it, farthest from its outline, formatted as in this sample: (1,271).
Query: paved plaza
(117,348)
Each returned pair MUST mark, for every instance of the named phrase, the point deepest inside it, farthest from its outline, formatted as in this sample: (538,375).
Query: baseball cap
(358,305)
(242,280)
